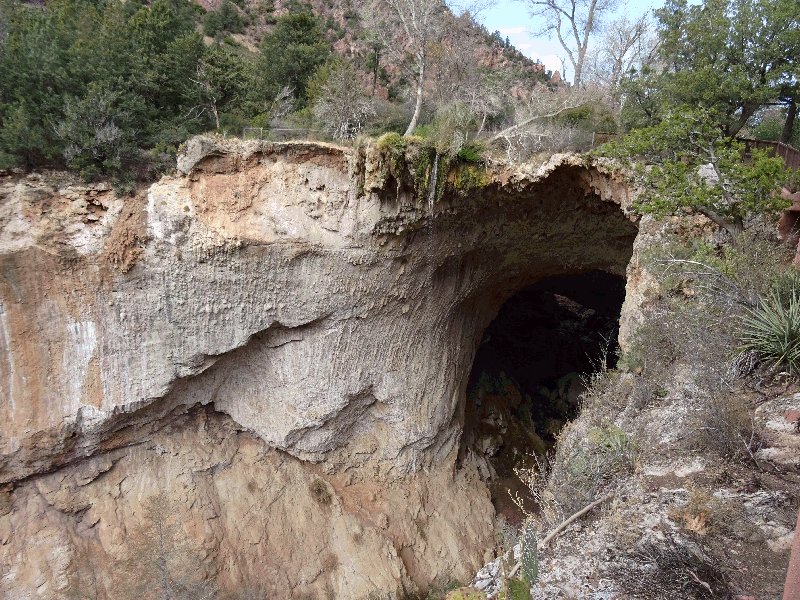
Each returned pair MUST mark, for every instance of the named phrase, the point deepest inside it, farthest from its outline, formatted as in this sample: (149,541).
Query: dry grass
(704,514)
(578,472)
(725,426)
(671,568)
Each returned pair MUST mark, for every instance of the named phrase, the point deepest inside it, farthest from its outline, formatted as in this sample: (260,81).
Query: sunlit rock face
(274,314)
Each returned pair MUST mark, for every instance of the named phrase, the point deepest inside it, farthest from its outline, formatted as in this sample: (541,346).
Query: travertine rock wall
(272,315)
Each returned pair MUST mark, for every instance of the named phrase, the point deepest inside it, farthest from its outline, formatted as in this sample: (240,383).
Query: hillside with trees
(112,89)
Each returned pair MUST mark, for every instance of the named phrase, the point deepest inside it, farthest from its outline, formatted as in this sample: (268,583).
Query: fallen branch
(700,581)
(508,130)
(561,527)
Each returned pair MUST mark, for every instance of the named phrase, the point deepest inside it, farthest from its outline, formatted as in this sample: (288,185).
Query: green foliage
(610,440)
(517,589)
(289,55)
(449,131)
(644,98)
(222,82)
(126,69)
(319,78)
(582,466)
(456,594)
(226,19)
(393,142)
(23,137)
(472,152)
(469,177)
(96,134)
(751,267)
(589,117)
(769,126)
(730,56)
(772,330)
(686,162)
(416,161)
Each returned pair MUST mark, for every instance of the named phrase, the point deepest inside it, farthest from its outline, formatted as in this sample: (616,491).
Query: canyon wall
(266,354)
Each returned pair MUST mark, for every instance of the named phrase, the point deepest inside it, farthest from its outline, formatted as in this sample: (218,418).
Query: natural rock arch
(320,297)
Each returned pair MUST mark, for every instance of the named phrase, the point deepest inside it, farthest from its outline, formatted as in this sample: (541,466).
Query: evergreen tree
(731,57)
(288,57)
(129,62)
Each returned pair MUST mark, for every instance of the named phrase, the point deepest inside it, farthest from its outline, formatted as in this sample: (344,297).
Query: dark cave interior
(528,373)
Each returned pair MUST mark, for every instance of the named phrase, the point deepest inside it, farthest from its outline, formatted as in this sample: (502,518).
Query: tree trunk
(584,43)
(418,106)
(733,225)
(376,70)
(578,69)
(747,112)
(216,114)
(788,126)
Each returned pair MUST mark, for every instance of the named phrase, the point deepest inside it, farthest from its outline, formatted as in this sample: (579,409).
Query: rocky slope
(692,455)
(273,347)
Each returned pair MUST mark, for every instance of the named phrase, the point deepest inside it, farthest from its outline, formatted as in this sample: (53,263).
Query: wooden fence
(789,154)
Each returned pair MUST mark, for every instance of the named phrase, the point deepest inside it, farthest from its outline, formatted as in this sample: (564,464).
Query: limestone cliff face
(276,341)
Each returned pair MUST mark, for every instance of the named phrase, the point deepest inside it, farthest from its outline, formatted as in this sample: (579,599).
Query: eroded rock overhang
(309,291)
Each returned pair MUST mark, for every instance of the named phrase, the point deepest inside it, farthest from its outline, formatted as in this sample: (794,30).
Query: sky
(512,19)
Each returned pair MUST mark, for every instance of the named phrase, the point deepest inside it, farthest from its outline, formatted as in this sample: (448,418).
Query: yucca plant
(771,331)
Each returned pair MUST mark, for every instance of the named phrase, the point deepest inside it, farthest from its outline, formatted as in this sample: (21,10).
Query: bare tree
(342,109)
(624,45)
(573,22)
(457,76)
(535,127)
(406,29)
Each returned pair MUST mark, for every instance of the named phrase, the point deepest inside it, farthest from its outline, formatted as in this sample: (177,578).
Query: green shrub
(457,594)
(227,19)
(95,132)
(392,141)
(471,152)
(449,131)
(518,589)
(669,163)
(771,331)
(583,464)
(289,55)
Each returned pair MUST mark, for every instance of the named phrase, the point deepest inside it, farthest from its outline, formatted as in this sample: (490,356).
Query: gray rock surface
(303,290)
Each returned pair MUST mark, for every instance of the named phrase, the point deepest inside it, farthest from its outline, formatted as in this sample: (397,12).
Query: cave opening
(530,370)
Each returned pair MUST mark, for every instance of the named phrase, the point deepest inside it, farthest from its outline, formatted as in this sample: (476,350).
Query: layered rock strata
(275,343)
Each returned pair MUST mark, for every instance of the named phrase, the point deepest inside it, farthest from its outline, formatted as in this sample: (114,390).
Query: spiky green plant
(772,330)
